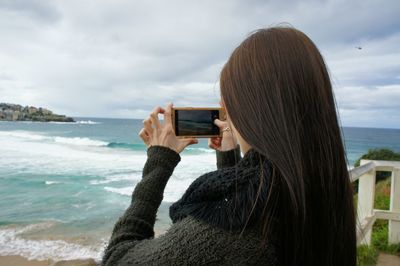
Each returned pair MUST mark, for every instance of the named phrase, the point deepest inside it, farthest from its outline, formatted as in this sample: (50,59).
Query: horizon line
(94,117)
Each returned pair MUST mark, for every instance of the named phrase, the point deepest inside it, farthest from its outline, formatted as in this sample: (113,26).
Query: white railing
(367,215)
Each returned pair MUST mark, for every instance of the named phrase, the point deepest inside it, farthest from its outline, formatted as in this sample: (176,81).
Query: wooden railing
(366,214)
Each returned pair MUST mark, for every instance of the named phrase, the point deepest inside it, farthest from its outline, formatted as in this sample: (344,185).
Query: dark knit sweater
(207,221)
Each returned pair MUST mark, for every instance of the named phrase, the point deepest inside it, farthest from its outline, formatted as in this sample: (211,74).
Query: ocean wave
(125,191)
(80,141)
(87,122)
(51,182)
(23,135)
(46,157)
(57,122)
(118,177)
(33,136)
(200,149)
(76,141)
(12,243)
(130,146)
(85,141)
(141,146)
(81,122)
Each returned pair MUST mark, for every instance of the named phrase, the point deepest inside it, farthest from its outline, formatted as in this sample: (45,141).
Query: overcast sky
(122,58)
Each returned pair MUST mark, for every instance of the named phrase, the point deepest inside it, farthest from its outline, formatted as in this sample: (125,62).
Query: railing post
(394,226)
(366,196)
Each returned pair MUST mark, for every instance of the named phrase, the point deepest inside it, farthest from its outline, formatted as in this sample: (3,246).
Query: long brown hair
(278,94)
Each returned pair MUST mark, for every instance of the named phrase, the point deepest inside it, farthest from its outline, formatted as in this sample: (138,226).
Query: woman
(288,201)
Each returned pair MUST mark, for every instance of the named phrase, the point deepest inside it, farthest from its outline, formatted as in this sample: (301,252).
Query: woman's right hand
(228,140)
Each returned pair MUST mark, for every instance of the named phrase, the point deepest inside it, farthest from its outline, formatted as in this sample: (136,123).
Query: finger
(144,136)
(154,116)
(216,139)
(191,141)
(212,146)
(220,123)
(216,142)
(211,142)
(168,114)
(147,126)
(188,141)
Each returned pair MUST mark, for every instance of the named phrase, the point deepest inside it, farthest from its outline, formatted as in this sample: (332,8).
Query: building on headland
(32,110)
(16,112)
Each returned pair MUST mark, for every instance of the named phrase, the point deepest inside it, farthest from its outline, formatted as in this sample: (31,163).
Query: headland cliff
(16,112)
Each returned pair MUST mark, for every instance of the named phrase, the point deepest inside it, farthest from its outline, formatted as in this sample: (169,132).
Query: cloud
(41,11)
(122,58)
(381,97)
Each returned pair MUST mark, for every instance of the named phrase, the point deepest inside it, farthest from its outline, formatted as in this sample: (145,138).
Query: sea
(64,185)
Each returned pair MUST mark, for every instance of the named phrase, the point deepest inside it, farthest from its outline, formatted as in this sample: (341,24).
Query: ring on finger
(226,129)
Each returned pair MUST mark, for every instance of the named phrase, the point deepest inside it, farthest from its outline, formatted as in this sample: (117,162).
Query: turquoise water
(63,186)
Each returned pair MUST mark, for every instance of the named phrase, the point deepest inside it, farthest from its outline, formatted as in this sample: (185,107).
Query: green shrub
(366,255)
(379,154)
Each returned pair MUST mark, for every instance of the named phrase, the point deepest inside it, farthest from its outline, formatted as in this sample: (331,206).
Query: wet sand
(21,261)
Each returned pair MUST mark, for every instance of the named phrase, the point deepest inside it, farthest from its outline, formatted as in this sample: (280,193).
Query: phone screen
(196,122)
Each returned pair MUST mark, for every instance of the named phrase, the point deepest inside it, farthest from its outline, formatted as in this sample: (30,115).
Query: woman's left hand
(154,133)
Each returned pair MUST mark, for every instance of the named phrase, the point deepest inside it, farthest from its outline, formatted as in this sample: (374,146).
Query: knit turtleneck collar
(252,157)
(226,197)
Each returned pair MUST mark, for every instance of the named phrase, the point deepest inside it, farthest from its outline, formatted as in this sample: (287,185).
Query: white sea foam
(118,177)
(99,182)
(51,182)
(200,149)
(33,136)
(21,152)
(126,191)
(57,122)
(80,141)
(84,160)
(82,122)
(23,135)
(87,122)
(31,152)
(12,243)
(190,168)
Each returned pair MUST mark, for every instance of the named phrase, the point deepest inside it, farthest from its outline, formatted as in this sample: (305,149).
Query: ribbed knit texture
(228,198)
(189,241)
(228,158)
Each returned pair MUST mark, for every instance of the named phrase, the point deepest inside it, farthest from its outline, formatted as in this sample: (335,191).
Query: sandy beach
(21,261)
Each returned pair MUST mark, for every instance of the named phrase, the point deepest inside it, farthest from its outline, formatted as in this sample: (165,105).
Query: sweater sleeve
(228,158)
(137,223)
(193,242)
(187,242)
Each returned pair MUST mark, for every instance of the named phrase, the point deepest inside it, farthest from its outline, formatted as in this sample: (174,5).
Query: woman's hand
(228,140)
(154,133)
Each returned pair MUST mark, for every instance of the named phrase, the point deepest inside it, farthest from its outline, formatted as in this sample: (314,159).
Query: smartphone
(197,121)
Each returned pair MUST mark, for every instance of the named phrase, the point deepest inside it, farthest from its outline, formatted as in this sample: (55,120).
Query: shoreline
(22,261)
(17,260)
